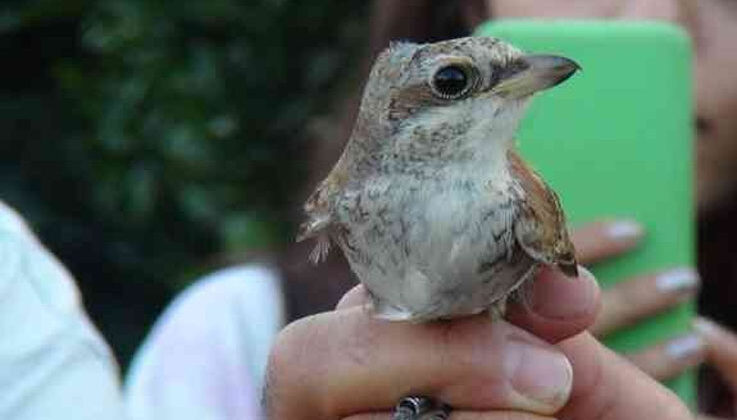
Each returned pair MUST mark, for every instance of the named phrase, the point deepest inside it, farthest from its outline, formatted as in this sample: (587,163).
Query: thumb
(606,386)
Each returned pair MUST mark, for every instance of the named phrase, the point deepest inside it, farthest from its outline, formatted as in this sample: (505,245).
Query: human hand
(345,364)
(640,297)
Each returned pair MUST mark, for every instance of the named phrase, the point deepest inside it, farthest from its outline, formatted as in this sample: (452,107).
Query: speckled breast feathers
(436,213)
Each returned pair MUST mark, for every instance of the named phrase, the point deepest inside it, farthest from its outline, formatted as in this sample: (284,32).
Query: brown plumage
(435,211)
(545,233)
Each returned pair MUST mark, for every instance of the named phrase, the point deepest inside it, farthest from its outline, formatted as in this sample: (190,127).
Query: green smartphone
(616,141)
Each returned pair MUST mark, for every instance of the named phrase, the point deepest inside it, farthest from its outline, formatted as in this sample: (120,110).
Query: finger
(603,239)
(554,306)
(668,360)
(721,349)
(627,302)
(606,386)
(345,362)
(357,296)
(463,415)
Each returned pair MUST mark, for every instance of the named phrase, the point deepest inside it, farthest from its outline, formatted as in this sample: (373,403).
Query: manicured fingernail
(624,230)
(541,378)
(677,280)
(685,347)
(705,326)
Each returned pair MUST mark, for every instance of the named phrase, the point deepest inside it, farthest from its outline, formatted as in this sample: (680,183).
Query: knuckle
(288,368)
(465,348)
(286,351)
(312,358)
(639,294)
(632,296)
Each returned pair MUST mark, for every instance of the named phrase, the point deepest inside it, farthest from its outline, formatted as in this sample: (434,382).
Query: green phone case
(616,141)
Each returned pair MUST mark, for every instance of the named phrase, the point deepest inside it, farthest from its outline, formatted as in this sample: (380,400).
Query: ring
(420,408)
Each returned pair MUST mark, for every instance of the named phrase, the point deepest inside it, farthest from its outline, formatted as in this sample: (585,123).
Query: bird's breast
(413,242)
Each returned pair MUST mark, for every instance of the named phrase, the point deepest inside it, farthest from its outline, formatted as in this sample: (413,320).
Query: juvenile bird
(436,212)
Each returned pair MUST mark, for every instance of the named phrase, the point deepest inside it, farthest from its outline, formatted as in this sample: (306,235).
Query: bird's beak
(533,73)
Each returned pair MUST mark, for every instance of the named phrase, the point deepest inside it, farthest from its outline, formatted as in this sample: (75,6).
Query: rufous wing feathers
(541,227)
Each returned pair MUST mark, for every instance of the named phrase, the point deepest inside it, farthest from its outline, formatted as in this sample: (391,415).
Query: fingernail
(705,326)
(624,230)
(685,347)
(677,280)
(541,379)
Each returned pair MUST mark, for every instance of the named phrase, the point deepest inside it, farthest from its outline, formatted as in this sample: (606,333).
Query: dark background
(147,142)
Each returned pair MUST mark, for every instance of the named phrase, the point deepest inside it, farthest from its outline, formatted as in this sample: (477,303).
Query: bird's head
(450,100)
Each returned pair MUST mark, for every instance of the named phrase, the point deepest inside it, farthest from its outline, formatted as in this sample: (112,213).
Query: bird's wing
(318,215)
(540,228)
(319,218)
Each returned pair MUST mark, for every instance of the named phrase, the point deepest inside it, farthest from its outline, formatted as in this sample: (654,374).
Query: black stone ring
(421,408)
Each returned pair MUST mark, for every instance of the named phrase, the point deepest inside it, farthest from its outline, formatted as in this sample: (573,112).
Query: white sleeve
(205,357)
(53,362)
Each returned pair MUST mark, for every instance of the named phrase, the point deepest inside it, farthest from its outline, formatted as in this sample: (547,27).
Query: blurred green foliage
(142,137)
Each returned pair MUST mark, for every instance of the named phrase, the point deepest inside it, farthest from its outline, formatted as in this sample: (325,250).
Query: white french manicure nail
(704,326)
(677,280)
(624,229)
(686,346)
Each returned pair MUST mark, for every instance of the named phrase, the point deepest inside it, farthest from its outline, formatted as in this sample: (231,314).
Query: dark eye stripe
(499,72)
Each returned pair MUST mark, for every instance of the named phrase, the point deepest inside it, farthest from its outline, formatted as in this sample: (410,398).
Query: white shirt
(206,356)
(204,359)
(53,362)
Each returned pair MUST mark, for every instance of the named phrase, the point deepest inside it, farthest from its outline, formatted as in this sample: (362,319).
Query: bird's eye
(451,82)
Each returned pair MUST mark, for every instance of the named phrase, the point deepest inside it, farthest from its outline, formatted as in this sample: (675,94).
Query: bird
(434,208)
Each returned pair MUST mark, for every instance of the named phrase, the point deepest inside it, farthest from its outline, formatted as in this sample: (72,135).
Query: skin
(712,25)
(345,364)
(358,367)
(558,312)
(636,299)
